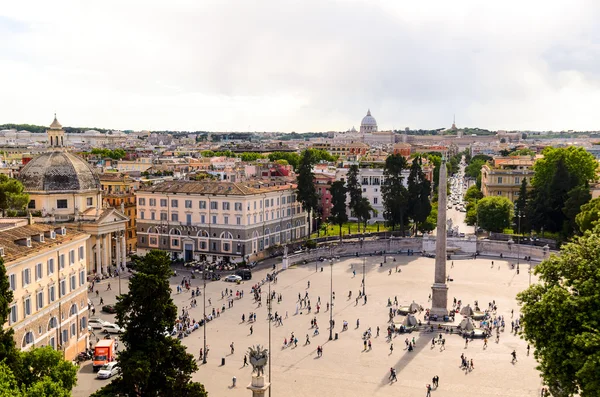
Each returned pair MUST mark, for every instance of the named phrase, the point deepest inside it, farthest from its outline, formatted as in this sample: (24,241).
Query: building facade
(46,268)
(118,191)
(208,220)
(503,177)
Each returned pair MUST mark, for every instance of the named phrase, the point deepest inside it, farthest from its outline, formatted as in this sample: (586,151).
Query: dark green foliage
(153,364)
(354,189)
(338,200)
(419,190)
(589,215)
(495,213)
(395,194)
(306,190)
(116,154)
(292,158)
(251,156)
(363,211)
(12,196)
(560,318)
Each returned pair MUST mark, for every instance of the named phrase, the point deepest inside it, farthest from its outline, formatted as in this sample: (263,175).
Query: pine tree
(395,194)
(354,189)
(306,190)
(419,189)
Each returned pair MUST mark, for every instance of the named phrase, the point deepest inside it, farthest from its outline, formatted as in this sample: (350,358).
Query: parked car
(112,329)
(96,323)
(109,370)
(232,278)
(245,274)
(109,309)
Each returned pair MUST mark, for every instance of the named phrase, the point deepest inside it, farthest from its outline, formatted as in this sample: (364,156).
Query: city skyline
(309,66)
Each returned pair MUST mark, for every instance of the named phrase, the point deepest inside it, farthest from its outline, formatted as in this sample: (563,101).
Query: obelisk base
(439,299)
(258,386)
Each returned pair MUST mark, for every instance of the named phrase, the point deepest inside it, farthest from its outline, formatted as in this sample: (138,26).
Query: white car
(109,328)
(232,278)
(108,370)
(97,323)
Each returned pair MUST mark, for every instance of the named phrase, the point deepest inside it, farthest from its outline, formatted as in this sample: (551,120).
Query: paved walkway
(345,369)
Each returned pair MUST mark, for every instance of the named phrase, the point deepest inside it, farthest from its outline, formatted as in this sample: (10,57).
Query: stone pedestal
(439,299)
(258,386)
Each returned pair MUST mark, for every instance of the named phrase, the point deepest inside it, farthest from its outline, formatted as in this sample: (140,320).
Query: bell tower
(56,135)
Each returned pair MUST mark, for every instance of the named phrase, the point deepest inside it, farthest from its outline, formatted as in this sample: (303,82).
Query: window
(82,323)
(163,202)
(31,204)
(73,282)
(499,179)
(50,266)
(163,216)
(175,242)
(225,246)
(13,282)
(188,219)
(255,205)
(202,219)
(40,300)
(152,202)
(226,220)
(141,214)
(271,202)
(202,245)
(266,203)
(214,205)
(38,271)
(254,218)
(152,215)
(283,200)
(174,203)
(61,203)
(153,241)
(27,306)
(517,180)
(238,220)
(51,294)
(71,257)
(214,219)
(73,330)
(374,200)
(225,206)
(141,201)
(238,206)
(64,336)
(81,253)
(365,181)
(202,205)
(63,287)
(14,315)
(188,203)
(81,278)
(26,274)
(61,261)
(174,217)
(90,201)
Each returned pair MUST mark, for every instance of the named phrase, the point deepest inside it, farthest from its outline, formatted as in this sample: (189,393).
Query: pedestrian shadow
(407,357)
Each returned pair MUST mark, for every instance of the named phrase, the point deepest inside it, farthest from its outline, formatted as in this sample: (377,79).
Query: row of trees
(116,154)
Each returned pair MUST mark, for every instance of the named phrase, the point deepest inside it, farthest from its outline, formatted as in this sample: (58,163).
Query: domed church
(368,123)
(64,188)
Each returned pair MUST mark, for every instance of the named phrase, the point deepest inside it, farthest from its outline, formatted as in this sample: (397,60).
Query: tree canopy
(589,215)
(292,158)
(116,154)
(395,194)
(419,189)
(12,195)
(495,213)
(338,200)
(152,363)
(560,317)
(306,190)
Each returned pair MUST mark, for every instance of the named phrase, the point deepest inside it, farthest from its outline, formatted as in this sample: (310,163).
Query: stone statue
(285,251)
(258,359)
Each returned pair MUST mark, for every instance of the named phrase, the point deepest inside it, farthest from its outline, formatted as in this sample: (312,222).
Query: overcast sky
(306,65)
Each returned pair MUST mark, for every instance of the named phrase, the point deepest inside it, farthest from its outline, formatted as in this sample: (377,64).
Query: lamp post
(363,280)
(331,300)
(204,298)
(269,307)
(518,235)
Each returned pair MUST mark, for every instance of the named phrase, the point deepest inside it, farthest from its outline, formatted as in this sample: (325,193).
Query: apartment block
(504,175)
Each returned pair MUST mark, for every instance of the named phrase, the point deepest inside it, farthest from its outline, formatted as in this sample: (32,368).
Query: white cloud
(310,65)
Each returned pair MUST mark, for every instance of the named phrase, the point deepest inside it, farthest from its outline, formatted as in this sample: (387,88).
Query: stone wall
(512,250)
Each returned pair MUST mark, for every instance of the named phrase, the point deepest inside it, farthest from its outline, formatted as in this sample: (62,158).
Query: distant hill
(40,129)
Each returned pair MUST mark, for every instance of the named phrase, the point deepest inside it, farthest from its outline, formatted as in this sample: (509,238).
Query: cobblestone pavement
(345,368)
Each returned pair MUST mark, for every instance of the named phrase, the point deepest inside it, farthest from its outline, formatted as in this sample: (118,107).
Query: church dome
(368,123)
(58,172)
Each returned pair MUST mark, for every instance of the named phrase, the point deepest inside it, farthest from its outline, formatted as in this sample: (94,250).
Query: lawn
(328,229)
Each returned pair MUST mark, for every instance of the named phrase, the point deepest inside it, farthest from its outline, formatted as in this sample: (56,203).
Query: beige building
(215,221)
(503,177)
(46,268)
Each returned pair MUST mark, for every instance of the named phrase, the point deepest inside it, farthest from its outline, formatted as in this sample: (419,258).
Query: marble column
(117,249)
(99,253)
(439,293)
(123,250)
(109,238)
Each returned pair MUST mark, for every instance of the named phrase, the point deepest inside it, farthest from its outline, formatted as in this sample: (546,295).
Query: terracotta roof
(13,250)
(225,188)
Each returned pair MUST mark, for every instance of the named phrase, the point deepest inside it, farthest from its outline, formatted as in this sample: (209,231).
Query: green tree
(419,189)
(152,363)
(292,158)
(560,318)
(354,189)
(251,156)
(521,206)
(117,154)
(431,222)
(207,153)
(338,209)
(12,195)
(577,197)
(395,194)
(473,170)
(473,194)
(495,213)
(306,190)
(363,211)
(588,217)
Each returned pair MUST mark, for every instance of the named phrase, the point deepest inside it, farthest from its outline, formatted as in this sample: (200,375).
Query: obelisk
(439,289)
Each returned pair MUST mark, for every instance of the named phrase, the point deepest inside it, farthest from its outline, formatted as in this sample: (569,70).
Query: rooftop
(213,187)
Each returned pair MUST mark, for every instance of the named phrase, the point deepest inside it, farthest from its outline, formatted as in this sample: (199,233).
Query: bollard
(336,336)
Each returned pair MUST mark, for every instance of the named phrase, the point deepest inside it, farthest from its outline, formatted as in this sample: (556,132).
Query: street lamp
(204,298)
(331,300)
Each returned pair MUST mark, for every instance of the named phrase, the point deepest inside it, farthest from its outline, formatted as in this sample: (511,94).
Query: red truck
(104,353)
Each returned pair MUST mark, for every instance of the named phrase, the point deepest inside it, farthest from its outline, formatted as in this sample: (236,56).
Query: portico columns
(117,248)
(99,255)
(123,251)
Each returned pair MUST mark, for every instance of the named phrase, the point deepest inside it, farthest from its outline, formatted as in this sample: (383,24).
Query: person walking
(428,387)
(393,375)
(391,348)
(101,301)
(307,340)
(108,287)
(251,330)
(234,380)
(232,349)
(369,344)
(514,356)
(245,360)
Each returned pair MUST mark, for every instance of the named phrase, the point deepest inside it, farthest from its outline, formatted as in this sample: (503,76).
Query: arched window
(267,231)
(73,310)
(27,339)
(202,233)
(175,232)
(53,323)
(226,235)
(288,226)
